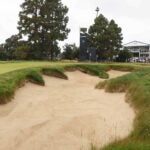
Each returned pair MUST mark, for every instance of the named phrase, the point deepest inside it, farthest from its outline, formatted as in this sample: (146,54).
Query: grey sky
(133,16)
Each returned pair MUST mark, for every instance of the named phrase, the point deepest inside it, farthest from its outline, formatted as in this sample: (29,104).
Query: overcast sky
(133,16)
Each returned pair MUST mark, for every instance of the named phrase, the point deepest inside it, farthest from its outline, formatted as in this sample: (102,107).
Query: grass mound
(125,67)
(137,86)
(96,70)
(35,77)
(9,82)
(55,72)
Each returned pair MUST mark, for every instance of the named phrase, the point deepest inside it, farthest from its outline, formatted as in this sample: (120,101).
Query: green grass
(127,146)
(11,66)
(92,69)
(137,86)
(7,66)
(55,72)
(9,82)
(35,76)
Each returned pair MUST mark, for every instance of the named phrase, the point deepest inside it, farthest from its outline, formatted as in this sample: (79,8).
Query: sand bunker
(64,115)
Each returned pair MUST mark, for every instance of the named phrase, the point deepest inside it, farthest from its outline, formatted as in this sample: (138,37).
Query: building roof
(136,43)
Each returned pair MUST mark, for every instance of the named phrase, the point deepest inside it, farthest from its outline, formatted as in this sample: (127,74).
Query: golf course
(74,106)
(74,75)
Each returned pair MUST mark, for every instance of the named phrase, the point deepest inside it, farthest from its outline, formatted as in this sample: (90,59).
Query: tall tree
(10,46)
(21,52)
(115,39)
(124,55)
(44,22)
(106,37)
(71,51)
(3,54)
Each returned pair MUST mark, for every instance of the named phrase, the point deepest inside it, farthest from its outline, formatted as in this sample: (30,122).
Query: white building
(140,50)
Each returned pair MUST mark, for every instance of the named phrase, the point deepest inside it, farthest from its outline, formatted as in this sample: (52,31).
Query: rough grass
(9,82)
(96,70)
(55,72)
(35,76)
(137,87)
(127,146)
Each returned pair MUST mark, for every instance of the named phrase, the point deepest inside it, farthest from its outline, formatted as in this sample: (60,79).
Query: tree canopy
(124,55)
(106,37)
(71,52)
(44,23)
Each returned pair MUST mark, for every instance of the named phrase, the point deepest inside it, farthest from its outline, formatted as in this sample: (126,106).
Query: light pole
(97,11)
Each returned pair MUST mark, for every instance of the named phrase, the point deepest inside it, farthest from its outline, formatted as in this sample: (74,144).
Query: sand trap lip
(64,115)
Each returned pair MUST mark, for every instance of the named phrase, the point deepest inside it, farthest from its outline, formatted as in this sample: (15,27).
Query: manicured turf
(136,85)
(11,66)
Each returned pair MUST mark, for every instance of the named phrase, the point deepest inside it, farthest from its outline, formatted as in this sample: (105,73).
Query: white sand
(64,115)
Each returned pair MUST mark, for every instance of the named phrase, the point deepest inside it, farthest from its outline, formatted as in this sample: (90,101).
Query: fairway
(8,66)
(11,66)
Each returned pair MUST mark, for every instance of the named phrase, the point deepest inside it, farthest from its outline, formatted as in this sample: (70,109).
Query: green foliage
(3,55)
(124,55)
(44,23)
(106,37)
(71,52)
(35,77)
(10,46)
(14,48)
(21,52)
(55,72)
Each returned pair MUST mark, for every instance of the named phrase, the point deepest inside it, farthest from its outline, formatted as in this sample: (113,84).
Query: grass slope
(137,87)
(55,72)
(9,82)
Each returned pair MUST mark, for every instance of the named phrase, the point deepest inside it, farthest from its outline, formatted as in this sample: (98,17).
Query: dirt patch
(64,115)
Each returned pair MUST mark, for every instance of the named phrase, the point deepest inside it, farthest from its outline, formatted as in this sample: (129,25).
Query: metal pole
(97,10)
